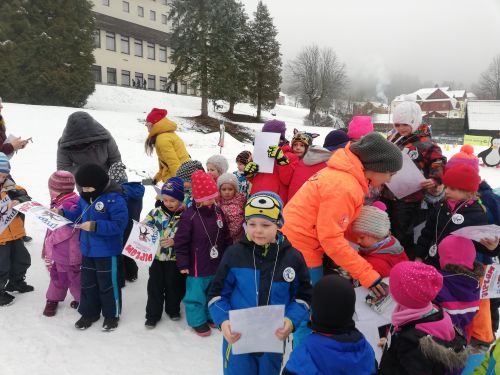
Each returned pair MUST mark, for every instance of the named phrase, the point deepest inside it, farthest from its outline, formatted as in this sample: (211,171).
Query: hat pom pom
(380,205)
(467,149)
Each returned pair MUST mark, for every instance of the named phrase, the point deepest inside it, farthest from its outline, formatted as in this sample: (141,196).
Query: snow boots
(85,322)
(20,287)
(6,298)
(50,308)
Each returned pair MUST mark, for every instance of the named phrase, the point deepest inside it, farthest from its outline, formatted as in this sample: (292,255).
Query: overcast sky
(436,40)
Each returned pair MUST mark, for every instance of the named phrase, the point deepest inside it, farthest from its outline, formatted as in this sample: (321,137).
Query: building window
(126,6)
(163,83)
(151,82)
(151,51)
(110,41)
(164,19)
(139,80)
(105,3)
(125,78)
(140,11)
(152,15)
(97,38)
(96,73)
(138,48)
(112,76)
(184,88)
(125,45)
(163,54)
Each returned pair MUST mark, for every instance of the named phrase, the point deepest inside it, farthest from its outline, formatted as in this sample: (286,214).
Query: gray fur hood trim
(452,360)
(316,155)
(476,273)
(82,128)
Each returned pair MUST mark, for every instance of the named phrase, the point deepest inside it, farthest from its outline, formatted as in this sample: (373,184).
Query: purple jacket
(192,245)
(459,296)
(62,246)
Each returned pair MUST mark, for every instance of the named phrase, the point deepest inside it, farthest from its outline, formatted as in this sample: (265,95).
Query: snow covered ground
(34,344)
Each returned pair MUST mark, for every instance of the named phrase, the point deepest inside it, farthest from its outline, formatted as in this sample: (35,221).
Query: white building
(131,44)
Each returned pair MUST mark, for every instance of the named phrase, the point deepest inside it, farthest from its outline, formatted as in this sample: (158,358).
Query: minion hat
(265,205)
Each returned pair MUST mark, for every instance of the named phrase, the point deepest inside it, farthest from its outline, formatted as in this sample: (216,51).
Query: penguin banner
(491,156)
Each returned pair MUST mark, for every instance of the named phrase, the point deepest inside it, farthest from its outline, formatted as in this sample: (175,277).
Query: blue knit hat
(265,205)
(4,164)
(174,187)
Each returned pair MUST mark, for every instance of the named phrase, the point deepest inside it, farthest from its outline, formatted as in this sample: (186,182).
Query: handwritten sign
(142,243)
(491,282)
(42,214)
(6,214)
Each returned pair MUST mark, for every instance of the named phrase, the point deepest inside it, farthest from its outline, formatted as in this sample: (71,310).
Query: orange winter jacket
(321,212)
(15,230)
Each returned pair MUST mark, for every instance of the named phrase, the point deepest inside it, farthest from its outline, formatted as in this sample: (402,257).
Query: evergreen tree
(265,62)
(46,51)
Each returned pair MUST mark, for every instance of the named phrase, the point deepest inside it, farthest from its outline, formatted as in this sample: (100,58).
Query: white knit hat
(408,113)
(373,221)
(228,178)
(219,162)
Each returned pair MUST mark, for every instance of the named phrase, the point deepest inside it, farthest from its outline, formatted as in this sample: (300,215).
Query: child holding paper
(262,269)
(166,285)
(232,204)
(61,249)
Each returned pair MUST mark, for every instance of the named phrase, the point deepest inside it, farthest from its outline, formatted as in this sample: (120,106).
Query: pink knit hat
(359,127)
(414,284)
(61,182)
(457,250)
(465,156)
(203,187)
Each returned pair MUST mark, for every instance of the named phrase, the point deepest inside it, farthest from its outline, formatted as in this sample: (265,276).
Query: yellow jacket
(170,149)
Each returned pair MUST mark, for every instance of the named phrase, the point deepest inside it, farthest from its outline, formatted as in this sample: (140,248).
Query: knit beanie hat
(187,169)
(359,127)
(414,284)
(228,178)
(275,126)
(118,172)
(373,221)
(465,156)
(4,163)
(408,113)
(303,138)
(61,182)
(92,175)
(333,302)
(174,187)
(265,205)
(463,177)
(203,187)
(219,162)
(156,115)
(377,154)
(457,250)
(244,157)
(336,139)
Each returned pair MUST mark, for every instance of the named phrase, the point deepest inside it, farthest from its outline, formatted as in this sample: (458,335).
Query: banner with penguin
(491,156)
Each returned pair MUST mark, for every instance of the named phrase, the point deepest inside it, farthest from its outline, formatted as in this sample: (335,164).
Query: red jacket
(384,257)
(277,181)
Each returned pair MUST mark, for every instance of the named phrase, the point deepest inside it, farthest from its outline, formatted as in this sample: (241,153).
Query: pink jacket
(62,246)
(234,212)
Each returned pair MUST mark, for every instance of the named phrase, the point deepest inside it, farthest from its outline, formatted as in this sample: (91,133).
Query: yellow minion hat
(266,205)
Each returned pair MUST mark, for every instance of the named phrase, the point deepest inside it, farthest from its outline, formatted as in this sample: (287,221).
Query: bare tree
(319,76)
(489,81)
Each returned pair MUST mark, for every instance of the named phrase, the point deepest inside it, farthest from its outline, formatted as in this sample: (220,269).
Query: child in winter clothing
(101,215)
(232,204)
(423,340)
(263,251)
(134,193)
(166,284)
(14,257)
(491,362)
(185,172)
(200,242)
(359,127)
(377,246)
(243,158)
(216,166)
(61,249)
(335,347)
(301,142)
(459,296)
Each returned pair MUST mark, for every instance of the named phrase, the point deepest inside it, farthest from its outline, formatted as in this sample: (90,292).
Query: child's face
(403,129)
(456,194)
(241,166)
(377,179)
(87,189)
(171,203)
(212,171)
(3,177)
(261,231)
(207,203)
(298,149)
(365,240)
(227,191)
(187,185)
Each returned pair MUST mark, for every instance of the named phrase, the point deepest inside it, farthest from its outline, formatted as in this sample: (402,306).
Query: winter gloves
(277,153)
(250,169)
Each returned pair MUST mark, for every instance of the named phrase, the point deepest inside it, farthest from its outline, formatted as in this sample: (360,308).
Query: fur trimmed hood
(476,273)
(453,357)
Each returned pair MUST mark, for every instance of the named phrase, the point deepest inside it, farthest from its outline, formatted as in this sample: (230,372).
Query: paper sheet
(479,232)
(42,214)
(6,214)
(261,145)
(257,326)
(407,180)
(491,282)
(142,243)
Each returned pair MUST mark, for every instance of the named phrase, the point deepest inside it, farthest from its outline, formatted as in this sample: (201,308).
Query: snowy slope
(34,344)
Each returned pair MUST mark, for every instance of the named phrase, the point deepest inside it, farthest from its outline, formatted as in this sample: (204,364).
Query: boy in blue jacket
(335,347)
(262,269)
(101,215)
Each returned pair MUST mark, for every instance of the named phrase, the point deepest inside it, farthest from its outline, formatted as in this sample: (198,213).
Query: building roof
(382,118)
(483,114)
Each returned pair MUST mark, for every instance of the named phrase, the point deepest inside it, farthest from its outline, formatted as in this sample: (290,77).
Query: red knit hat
(463,177)
(61,182)
(465,156)
(156,115)
(203,187)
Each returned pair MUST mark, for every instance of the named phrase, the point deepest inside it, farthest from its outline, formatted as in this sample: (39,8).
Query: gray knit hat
(187,169)
(219,162)
(228,178)
(377,154)
(373,221)
(118,172)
